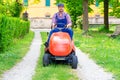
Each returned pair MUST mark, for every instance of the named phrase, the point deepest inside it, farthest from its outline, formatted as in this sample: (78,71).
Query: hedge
(11,28)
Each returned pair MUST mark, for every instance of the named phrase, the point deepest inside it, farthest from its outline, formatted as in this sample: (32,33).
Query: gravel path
(26,68)
(89,70)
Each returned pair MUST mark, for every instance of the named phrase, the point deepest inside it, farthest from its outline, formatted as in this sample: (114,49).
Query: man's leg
(69,31)
(51,32)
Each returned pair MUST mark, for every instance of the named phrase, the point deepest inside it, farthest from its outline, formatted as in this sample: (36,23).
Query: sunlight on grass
(104,50)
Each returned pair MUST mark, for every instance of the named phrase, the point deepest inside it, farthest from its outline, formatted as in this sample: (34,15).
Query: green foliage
(16,9)
(74,8)
(3,9)
(1,1)
(79,22)
(10,8)
(15,52)
(11,28)
(115,8)
(102,29)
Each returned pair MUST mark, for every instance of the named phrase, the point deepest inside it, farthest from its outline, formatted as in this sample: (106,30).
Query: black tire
(74,62)
(46,60)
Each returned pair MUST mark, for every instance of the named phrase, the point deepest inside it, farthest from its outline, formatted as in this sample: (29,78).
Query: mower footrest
(60,58)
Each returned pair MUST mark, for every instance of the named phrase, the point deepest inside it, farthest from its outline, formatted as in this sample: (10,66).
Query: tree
(17,0)
(85,15)
(106,11)
(115,8)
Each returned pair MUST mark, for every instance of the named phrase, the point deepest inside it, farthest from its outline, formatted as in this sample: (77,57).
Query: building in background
(46,8)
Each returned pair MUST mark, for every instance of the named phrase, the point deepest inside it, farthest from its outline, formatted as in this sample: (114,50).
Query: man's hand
(69,25)
(53,26)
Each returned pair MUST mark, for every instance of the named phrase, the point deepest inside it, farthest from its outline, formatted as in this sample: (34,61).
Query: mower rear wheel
(74,62)
(46,60)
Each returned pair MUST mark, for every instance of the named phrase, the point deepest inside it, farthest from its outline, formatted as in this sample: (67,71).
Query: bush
(79,23)
(11,8)
(11,28)
(15,9)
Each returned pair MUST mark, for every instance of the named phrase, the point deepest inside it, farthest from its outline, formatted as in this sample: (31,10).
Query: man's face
(61,9)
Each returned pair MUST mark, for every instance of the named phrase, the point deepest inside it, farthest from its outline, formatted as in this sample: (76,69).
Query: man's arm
(69,22)
(54,21)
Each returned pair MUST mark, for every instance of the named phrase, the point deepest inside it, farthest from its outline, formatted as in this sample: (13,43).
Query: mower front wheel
(74,62)
(46,60)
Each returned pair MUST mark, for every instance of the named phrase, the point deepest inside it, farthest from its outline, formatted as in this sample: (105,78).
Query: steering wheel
(61,27)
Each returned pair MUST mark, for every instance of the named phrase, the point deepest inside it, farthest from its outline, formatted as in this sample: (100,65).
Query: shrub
(11,28)
(15,9)
(79,22)
(11,8)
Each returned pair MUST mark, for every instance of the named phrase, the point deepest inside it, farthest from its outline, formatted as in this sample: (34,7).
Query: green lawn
(104,50)
(53,72)
(15,52)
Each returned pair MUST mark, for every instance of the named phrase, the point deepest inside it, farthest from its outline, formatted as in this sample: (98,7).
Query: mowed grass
(15,52)
(103,49)
(53,71)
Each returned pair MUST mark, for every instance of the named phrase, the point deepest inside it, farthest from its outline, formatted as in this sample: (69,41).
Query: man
(61,20)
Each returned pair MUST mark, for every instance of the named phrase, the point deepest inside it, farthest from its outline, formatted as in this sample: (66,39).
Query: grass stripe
(15,52)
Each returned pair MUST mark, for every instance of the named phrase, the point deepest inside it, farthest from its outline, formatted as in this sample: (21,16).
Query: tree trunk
(17,0)
(106,10)
(85,15)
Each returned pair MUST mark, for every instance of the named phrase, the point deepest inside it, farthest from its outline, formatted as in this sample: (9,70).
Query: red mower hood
(60,44)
